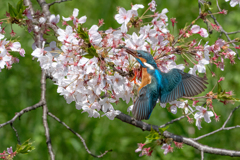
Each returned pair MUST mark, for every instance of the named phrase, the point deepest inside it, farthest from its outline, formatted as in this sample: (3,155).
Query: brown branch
(79,136)
(199,7)
(218,6)
(202,155)
(122,73)
(44,116)
(37,36)
(233,32)
(15,130)
(50,4)
(207,149)
(37,105)
(188,141)
(222,128)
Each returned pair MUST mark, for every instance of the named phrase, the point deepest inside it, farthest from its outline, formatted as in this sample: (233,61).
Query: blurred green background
(20,87)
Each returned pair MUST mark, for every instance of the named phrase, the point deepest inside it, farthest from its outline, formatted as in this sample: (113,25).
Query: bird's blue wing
(177,83)
(146,101)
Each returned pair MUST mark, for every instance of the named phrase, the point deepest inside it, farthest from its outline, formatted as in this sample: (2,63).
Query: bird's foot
(134,78)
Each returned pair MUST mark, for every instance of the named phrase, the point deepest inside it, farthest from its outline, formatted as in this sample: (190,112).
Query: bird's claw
(134,78)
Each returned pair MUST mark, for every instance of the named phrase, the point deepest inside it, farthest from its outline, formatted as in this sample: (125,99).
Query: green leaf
(25,148)
(152,51)
(13,12)
(89,56)
(83,34)
(90,50)
(19,6)
(206,7)
(163,129)
(154,135)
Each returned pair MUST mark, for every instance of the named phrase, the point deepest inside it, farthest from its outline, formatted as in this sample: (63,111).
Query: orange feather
(146,79)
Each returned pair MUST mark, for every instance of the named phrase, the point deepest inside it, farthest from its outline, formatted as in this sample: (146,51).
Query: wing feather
(177,83)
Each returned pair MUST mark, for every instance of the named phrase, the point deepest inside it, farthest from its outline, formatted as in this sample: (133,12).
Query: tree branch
(218,6)
(44,116)
(233,32)
(79,136)
(174,120)
(50,4)
(37,105)
(188,141)
(202,155)
(18,139)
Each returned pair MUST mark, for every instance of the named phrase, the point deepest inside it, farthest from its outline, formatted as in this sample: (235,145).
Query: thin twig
(233,32)
(50,4)
(37,105)
(15,130)
(78,135)
(218,6)
(122,73)
(174,120)
(199,7)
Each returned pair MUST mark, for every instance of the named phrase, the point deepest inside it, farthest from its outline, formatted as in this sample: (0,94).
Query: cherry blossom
(146,151)
(53,49)
(203,113)
(233,3)
(54,19)
(106,103)
(152,5)
(4,58)
(92,112)
(123,16)
(140,147)
(112,114)
(135,8)
(167,148)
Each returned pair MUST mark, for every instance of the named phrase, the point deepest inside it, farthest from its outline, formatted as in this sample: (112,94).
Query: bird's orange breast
(146,78)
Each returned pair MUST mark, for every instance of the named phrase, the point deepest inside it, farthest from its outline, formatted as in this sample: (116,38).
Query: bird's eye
(139,55)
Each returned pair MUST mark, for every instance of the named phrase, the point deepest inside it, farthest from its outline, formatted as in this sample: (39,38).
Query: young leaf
(154,135)
(13,12)
(19,5)
(25,148)
(163,129)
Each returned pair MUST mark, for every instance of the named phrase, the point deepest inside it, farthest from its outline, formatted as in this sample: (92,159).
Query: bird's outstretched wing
(146,101)
(177,83)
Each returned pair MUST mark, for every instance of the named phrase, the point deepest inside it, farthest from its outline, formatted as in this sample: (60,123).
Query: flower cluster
(8,155)
(92,71)
(6,49)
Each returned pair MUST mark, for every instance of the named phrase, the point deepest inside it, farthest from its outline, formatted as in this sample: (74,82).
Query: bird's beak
(129,51)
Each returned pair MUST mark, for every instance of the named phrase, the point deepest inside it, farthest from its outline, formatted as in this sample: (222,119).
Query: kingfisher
(165,87)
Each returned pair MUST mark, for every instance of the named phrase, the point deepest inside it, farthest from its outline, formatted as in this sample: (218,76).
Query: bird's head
(144,58)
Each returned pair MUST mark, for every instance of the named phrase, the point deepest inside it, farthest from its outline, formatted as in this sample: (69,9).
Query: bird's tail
(142,109)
